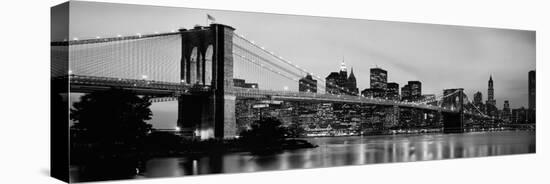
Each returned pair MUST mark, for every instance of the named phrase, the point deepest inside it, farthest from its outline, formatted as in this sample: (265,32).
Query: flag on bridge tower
(210,17)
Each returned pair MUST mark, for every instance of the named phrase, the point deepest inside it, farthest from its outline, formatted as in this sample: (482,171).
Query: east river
(340,151)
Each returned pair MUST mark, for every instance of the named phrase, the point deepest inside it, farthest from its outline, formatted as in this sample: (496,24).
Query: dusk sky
(437,55)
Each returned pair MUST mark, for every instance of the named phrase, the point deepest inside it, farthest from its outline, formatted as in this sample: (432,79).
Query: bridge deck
(85,84)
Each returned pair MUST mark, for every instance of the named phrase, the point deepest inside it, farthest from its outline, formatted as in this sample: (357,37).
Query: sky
(439,56)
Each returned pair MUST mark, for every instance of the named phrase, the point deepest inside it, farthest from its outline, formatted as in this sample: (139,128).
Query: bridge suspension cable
(301,70)
(475,107)
(438,99)
(149,57)
(77,41)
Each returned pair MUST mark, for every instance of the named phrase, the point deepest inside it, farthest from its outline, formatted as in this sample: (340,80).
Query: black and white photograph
(142,91)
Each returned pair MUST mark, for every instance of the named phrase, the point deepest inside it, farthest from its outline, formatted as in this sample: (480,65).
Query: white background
(24,98)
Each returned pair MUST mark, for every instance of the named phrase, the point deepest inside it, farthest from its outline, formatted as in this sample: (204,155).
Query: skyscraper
(332,81)
(531,111)
(393,91)
(378,84)
(506,112)
(491,102)
(416,90)
(307,84)
(478,101)
(532,90)
(406,93)
(491,92)
(519,115)
(478,98)
(378,78)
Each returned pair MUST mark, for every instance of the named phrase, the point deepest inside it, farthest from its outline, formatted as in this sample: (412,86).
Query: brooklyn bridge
(197,67)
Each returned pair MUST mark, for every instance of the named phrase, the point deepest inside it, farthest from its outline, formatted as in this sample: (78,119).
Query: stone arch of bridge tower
(195,42)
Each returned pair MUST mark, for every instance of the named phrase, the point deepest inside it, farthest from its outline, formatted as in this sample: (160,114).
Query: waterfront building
(392,117)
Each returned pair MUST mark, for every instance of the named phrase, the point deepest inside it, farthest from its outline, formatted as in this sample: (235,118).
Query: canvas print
(149,91)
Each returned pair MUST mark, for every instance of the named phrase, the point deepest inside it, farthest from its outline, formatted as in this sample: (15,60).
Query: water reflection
(340,151)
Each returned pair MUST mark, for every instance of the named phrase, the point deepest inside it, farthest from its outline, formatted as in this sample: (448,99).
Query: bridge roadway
(168,91)
(86,84)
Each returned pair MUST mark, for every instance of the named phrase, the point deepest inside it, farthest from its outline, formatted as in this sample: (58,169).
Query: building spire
(351,75)
(343,65)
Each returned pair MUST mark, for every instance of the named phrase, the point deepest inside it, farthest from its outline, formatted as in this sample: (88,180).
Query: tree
(113,117)
(266,133)
(295,130)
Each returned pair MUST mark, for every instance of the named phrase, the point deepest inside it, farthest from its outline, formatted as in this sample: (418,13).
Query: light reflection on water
(340,151)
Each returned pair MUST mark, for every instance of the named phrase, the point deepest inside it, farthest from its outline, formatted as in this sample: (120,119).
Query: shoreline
(427,133)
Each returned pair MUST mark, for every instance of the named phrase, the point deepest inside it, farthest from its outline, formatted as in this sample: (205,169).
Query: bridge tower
(207,114)
(453,122)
